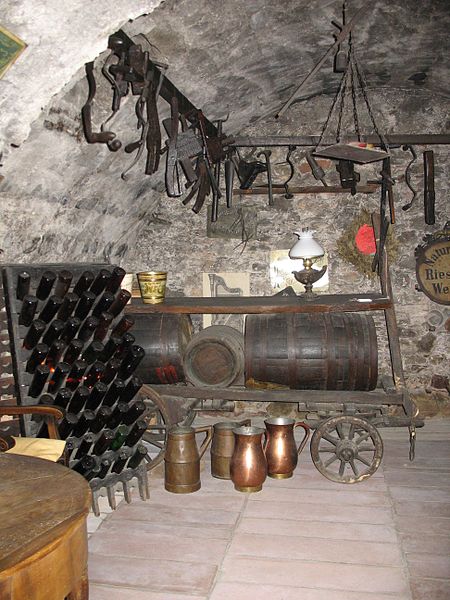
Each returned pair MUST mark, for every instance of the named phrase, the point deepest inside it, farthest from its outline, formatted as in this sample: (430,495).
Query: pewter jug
(280,446)
(222,447)
(182,459)
(248,466)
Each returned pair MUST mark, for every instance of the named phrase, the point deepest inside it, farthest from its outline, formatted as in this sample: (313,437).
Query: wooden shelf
(264,304)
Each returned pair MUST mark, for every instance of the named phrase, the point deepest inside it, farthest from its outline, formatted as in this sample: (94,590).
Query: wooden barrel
(214,357)
(326,351)
(164,338)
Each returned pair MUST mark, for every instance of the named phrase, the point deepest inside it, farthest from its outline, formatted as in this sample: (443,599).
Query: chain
(340,94)
(353,88)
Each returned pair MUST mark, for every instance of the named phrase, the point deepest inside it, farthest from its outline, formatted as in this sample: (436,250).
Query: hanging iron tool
(340,58)
(172,176)
(428,189)
(384,222)
(229,168)
(248,171)
(287,193)
(316,169)
(102,137)
(387,177)
(216,193)
(267,154)
(348,176)
(408,175)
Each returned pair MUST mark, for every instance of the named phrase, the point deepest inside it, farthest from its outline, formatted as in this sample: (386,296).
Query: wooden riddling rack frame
(22,379)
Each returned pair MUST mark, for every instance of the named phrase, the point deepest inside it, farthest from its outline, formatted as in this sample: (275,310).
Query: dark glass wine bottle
(93,473)
(83,283)
(66,425)
(67,307)
(92,352)
(120,302)
(118,415)
(63,283)
(62,398)
(50,308)
(79,399)
(132,388)
(126,342)
(132,359)
(75,377)
(88,328)
(105,320)
(34,333)
(113,394)
(45,285)
(37,357)
(70,329)
(139,454)
(110,348)
(103,304)
(136,432)
(85,465)
(121,460)
(55,353)
(84,422)
(134,412)
(27,310)
(96,396)
(101,419)
(58,376)
(119,437)
(84,305)
(125,323)
(53,332)
(111,370)
(105,465)
(23,285)
(39,380)
(73,351)
(116,279)
(94,373)
(85,445)
(100,281)
(104,442)
(44,400)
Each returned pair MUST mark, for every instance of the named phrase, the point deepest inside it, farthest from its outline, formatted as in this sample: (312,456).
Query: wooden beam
(312,189)
(393,139)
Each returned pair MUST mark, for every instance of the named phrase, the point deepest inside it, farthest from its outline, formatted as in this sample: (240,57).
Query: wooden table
(43,533)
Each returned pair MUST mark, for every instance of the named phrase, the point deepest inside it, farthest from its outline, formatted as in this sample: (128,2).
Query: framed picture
(10,49)
(217,285)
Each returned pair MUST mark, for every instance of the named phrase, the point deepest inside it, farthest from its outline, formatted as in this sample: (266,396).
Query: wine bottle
(94,373)
(39,380)
(34,333)
(45,285)
(55,353)
(103,304)
(115,280)
(113,394)
(137,431)
(120,302)
(104,442)
(88,328)
(23,285)
(68,306)
(118,415)
(111,370)
(101,418)
(133,413)
(84,422)
(125,323)
(37,358)
(105,465)
(131,389)
(75,377)
(27,310)
(66,425)
(62,398)
(84,305)
(105,320)
(70,329)
(53,332)
(85,465)
(110,348)
(139,454)
(119,437)
(94,471)
(92,352)
(96,396)
(44,400)
(58,376)
(79,399)
(120,461)
(83,283)
(126,342)
(73,351)
(85,445)
(50,308)
(63,283)
(100,281)
(132,359)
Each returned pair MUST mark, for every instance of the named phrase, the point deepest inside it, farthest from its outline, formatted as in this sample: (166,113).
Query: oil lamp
(307,249)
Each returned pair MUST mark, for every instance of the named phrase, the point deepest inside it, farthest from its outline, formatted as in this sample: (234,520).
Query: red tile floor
(304,538)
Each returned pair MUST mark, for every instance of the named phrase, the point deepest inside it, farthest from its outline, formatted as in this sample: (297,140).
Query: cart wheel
(158,424)
(346,449)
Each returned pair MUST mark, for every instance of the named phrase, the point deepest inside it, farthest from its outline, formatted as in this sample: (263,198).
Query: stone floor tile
(409,508)
(313,549)
(420,494)
(426,525)
(147,528)
(215,500)
(155,574)
(340,496)
(93,522)
(320,575)
(429,565)
(314,480)
(430,589)
(103,592)
(415,478)
(427,544)
(319,529)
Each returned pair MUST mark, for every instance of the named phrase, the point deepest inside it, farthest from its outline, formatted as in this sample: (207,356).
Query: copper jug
(280,446)
(182,459)
(248,466)
(222,447)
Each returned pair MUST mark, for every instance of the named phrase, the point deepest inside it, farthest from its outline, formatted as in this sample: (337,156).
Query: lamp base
(308,277)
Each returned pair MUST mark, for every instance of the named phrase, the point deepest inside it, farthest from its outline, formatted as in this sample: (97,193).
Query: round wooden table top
(39,500)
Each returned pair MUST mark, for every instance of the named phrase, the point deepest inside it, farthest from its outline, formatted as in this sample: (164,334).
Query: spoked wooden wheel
(346,449)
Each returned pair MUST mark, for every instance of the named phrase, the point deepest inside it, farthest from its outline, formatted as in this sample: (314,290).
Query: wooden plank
(263,304)
(312,189)
(414,139)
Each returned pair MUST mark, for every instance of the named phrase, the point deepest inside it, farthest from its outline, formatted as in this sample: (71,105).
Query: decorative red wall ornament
(365,240)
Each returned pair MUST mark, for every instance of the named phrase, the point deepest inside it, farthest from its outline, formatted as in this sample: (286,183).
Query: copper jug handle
(209,431)
(245,422)
(307,429)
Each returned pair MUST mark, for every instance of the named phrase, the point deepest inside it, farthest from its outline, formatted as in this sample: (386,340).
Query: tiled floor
(304,538)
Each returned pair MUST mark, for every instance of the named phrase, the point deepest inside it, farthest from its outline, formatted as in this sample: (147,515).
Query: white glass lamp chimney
(306,246)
